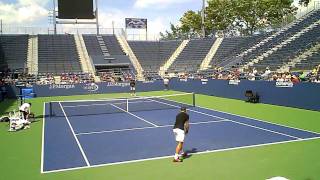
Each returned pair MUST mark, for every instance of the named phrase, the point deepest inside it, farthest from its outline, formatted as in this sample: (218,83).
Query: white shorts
(132,88)
(179,135)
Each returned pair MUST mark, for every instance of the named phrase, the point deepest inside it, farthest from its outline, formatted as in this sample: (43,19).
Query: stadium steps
(86,64)
(302,57)
(133,58)
(207,60)
(104,48)
(173,57)
(275,35)
(283,44)
(32,59)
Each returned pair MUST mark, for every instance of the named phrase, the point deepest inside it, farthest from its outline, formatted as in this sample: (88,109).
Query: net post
(193,99)
(127,103)
(50,109)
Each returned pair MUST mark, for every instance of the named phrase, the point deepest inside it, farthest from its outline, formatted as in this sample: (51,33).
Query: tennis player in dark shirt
(133,87)
(180,129)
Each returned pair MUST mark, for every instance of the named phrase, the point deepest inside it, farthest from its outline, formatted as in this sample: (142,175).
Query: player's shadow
(190,152)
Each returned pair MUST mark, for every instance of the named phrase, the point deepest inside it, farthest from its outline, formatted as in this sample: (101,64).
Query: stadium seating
(112,45)
(153,54)
(57,54)
(115,53)
(288,32)
(13,52)
(192,56)
(309,63)
(289,51)
(92,45)
(233,46)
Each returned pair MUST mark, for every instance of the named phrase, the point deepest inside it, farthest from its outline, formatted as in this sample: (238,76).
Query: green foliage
(219,15)
(190,27)
(243,16)
(191,22)
(174,33)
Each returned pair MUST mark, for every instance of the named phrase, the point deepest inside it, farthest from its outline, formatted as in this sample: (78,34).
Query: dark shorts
(25,114)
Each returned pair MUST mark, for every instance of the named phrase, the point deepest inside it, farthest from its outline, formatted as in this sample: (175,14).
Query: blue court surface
(90,134)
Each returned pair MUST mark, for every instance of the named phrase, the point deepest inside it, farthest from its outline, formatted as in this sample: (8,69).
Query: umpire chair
(252,97)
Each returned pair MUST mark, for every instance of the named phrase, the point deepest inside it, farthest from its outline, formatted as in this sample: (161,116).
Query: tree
(219,15)
(253,15)
(242,16)
(191,23)
(174,33)
(190,27)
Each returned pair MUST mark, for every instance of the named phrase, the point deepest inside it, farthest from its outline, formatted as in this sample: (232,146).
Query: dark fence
(303,95)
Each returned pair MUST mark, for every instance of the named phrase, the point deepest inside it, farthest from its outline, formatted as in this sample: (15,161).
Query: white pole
(97,17)
(113,27)
(54,17)
(0,26)
(203,16)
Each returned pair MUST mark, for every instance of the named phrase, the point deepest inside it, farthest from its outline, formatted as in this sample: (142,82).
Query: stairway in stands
(86,63)
(133,58)
(207,60)
(32,60)
(266,47)
(270,53)
(306,60)
(173,57)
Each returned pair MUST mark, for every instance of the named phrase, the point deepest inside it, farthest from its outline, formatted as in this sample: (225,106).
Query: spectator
(295,79)
(166,83)
(251,76)
(266,74)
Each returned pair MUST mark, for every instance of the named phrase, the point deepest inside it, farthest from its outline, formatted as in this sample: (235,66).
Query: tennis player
(166,83)
(180,129)
(133,87)
(25,109)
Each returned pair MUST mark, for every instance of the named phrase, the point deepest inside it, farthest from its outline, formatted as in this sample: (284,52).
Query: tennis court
(93,133)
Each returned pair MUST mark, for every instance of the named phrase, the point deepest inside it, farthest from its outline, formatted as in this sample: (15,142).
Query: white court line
(42,145)
(135,116)
(165,157)
(275,132)
(249,118)
(143,128)
(80,147)
(88,105)
(260,120)
(204,152)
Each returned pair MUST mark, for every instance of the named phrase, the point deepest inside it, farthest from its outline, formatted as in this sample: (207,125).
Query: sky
(160,13)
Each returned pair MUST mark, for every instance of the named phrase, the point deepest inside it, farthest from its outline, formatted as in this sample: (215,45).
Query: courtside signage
(234,82)
(62,86)
(284,84)
(112,84)
(92,87)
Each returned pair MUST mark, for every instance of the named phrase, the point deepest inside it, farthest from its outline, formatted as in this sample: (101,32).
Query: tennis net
(121,105)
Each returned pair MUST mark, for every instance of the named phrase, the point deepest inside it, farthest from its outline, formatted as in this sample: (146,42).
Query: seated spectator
(266,74)
(251,76)
(287,77)
(295,79)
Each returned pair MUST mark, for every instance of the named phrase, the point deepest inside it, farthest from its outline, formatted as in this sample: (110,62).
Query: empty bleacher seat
(58,54)
(13,52)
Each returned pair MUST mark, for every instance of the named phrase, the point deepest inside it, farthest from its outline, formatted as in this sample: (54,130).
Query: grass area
(21,151)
